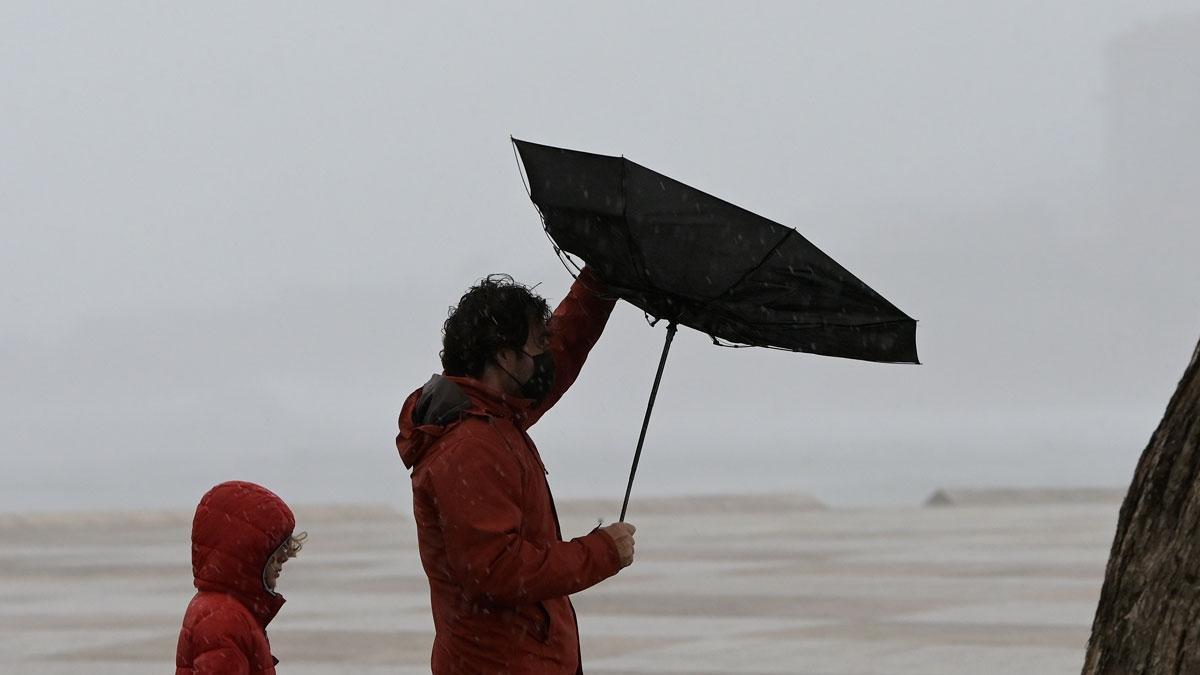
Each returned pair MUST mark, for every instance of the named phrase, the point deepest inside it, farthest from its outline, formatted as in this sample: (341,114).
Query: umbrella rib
(757,267)
(635,255)
(521,170)
(563,257)
(818,324)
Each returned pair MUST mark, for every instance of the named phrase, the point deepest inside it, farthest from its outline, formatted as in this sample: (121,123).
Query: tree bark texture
(1148,618)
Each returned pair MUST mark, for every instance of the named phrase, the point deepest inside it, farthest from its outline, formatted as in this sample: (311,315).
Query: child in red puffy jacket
(241,536)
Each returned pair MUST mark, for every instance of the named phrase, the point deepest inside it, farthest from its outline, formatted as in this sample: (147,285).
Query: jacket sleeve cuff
(590,280)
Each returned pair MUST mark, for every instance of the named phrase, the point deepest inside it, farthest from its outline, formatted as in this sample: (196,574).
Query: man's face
(539,338)
(519,362)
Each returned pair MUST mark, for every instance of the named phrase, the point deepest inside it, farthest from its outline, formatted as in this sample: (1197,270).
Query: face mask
(538,385)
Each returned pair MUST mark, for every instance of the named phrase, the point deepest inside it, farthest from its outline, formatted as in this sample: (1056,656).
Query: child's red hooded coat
(499,571)
(237,528)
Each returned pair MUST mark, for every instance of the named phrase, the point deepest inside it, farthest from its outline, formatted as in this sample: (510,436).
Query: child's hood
(237,528)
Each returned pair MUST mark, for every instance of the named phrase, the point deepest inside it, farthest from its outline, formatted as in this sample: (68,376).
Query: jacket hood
(440,404)
(237,528)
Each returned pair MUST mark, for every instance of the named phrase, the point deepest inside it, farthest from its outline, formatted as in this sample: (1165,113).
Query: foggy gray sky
(231,234)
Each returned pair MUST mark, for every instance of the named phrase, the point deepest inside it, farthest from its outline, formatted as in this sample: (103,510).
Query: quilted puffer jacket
(237,528)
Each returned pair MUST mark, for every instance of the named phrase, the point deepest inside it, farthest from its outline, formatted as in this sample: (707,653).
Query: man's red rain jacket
(236,529)
(499,571)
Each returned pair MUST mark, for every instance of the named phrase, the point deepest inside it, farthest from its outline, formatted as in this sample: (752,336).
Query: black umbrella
(687,257)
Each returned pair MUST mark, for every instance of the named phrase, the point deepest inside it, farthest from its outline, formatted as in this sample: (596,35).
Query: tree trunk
(1148,619)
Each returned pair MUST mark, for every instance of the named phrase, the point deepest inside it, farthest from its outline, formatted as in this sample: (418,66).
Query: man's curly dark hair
(493,314)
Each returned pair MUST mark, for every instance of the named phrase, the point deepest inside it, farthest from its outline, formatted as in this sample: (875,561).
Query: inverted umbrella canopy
(685,256)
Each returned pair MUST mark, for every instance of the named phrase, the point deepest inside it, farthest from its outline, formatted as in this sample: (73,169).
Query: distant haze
(231,233)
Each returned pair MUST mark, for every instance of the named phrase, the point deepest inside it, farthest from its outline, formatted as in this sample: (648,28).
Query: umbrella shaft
(637,455)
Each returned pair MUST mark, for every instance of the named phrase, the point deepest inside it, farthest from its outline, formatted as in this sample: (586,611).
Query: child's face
(275,565)
(288,549)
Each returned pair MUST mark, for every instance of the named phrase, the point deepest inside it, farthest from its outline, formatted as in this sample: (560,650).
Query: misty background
(231,234)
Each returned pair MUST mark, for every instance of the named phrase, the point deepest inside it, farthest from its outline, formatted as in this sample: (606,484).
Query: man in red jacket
(499,571)
(241,536)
